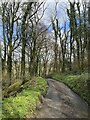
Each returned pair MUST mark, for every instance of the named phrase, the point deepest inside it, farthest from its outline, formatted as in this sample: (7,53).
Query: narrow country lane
(61,102)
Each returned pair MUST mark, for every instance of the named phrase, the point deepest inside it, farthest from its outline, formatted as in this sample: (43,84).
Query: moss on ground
(77,83)
(26,101)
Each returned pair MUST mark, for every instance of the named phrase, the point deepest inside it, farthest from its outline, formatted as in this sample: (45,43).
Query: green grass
(25,102)
(77,83)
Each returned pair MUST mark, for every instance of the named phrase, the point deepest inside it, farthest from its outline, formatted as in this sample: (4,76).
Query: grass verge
(26,101)
(78,83)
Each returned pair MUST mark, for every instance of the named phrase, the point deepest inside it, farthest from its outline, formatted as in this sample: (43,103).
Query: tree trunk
(24,40)
(89,50)
(9,64)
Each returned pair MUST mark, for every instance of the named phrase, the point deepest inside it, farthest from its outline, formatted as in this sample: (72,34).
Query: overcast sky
(50,11)
(61,10)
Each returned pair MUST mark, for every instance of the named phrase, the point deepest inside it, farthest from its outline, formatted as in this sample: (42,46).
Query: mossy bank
(25,102)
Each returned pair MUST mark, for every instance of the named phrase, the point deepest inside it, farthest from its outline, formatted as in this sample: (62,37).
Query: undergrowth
(26,101)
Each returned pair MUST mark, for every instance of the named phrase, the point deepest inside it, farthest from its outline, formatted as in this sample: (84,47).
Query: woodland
(32,51)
